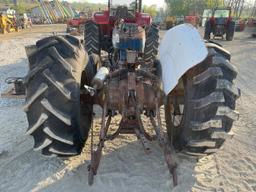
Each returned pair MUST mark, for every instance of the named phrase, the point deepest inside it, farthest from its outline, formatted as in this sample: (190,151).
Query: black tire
(207,31)
(94,63)
(208,105)
(207,36)
(92,38)
(230,31)
(229,37)
(58,121)
(151,44)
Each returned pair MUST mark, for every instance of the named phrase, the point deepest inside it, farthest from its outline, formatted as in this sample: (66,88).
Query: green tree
(20,8)
(215,3)
(151,10)
(188,7)
(176,7)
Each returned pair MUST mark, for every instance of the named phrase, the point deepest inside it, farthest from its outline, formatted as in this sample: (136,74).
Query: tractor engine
(129,41)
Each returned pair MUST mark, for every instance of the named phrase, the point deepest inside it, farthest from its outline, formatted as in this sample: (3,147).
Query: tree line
(189,7)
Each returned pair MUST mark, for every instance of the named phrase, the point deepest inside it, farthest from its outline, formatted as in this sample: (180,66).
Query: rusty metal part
(18,84)
(143,140)
(131,95)
(96,154)
(17,90)
(143,86)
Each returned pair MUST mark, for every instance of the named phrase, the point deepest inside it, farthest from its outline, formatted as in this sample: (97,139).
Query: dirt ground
(124,166)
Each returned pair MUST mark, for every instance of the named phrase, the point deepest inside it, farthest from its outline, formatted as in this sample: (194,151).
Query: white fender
(180,49)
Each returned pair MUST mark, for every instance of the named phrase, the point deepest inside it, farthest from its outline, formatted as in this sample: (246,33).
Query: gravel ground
(124,166)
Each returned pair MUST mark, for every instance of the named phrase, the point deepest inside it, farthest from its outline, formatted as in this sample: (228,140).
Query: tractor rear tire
(208,102)
(207,31)
(230,31)
(152,43)
(58,121)
(92,38)
(229,36)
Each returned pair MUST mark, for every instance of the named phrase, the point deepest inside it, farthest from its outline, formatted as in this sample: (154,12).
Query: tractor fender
(180,49)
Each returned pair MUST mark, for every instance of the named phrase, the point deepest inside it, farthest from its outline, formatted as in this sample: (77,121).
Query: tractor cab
(222,13)
(221,16)
(130,11)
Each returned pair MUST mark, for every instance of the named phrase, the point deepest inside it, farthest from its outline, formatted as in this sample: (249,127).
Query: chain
(92,135)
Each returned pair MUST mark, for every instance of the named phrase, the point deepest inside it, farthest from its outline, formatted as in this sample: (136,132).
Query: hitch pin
(90,90)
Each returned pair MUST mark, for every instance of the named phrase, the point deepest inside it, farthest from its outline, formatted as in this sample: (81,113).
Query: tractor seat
(123,13)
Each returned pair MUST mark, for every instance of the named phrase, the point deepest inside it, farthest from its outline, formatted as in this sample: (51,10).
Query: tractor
(8,23)
(220,24)
(170,22)
(76,24)
(187,92)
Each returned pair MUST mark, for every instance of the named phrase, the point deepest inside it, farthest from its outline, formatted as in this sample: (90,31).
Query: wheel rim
(175,112)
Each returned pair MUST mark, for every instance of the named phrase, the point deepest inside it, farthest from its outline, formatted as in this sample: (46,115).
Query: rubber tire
(230,31)
(151,44)
(207,31)
(92,38)
(209,105)
(229,37)
(94,63)
(58,121)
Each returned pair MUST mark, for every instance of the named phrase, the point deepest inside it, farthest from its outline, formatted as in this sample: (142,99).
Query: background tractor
(190,88)
(220,24)
(98,31)
(77,23)
(8,23)
(193,20)
(170,22)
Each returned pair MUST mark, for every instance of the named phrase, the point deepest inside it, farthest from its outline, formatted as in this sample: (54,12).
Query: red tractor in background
(98,31)
(193,20)
(77,23)
(187,95)
(221,23)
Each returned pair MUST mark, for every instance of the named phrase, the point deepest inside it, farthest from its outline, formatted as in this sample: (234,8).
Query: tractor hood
(180,49)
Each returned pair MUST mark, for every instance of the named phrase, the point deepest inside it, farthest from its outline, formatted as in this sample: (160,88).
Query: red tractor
(98,31)
(77,23)
(220,24)
(191,87)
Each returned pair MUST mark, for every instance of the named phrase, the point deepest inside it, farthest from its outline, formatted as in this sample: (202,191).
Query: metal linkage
(97,154)
(168,150)
(131,123)
(139,131)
